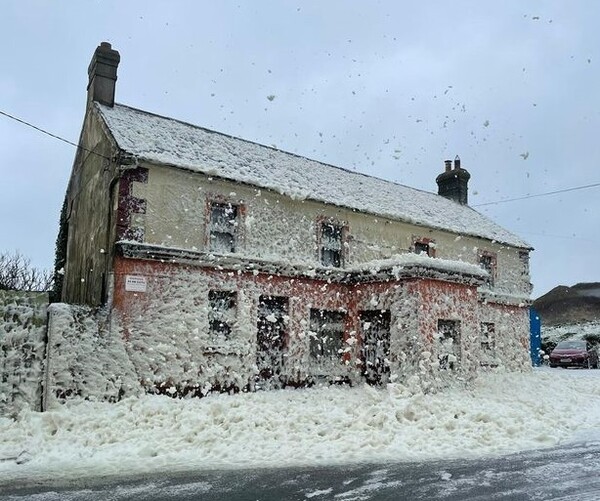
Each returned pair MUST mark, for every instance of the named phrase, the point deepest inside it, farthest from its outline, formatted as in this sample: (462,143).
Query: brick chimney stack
(453,182)
(103,74)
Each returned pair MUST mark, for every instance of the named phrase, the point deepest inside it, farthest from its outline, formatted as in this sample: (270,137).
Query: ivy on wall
(60,256)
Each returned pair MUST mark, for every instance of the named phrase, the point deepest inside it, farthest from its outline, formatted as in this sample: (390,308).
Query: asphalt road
(566,473)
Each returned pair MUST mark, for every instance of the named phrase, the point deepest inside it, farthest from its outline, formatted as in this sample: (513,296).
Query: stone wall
(89,217)
(86,357)
(22,347)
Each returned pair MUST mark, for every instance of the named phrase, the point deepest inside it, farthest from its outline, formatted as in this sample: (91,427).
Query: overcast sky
(388,88)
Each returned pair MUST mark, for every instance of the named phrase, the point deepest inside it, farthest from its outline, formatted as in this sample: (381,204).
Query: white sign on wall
(135,283)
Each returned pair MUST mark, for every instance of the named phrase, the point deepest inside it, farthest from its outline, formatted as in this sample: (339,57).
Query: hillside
(570,305)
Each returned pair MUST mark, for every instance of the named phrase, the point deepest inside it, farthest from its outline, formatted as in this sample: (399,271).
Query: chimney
(453,182)
(103,74)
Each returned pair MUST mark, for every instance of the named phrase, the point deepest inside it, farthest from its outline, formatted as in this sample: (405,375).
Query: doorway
(375,328)
(270,340)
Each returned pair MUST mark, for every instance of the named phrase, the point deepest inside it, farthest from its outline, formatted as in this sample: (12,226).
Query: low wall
(86,357)
(22,348)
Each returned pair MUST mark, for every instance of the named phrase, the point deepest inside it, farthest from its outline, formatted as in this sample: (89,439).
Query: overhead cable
(39,129)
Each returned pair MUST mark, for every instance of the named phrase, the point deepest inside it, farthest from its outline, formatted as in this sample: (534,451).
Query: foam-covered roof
(168,141)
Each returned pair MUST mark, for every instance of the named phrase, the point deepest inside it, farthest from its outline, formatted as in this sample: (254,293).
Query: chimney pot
(102,73)
(457,162)
(453,183)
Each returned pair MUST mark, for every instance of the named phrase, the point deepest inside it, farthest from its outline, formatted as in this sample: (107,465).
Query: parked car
(574,354)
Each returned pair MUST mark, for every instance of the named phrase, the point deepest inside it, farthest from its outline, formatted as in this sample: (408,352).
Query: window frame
(524,259)
(487,338)
(493,265)
(423,241)
(342,228)
(333,354)
(487,344)
(211,229)
(444,363)
(221,315)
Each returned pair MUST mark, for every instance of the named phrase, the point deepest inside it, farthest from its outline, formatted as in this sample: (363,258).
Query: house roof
(162,140)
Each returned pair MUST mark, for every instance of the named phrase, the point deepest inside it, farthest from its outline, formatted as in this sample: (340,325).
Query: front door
(375,328)
(270,340)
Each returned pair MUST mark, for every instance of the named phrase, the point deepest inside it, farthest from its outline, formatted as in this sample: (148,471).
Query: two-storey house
(229,264)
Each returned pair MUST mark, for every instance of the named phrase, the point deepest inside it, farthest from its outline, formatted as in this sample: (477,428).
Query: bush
(16,273)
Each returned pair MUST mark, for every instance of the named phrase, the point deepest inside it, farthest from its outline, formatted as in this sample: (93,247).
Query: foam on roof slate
(164,140)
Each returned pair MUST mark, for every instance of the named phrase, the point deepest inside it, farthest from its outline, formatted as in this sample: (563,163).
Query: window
(448,344)
(524,259)
(488,344)
(222,308)
(487,261)
(424,246)
(487,337)
(223,227)
(326,335)
(421,248)
(331,244)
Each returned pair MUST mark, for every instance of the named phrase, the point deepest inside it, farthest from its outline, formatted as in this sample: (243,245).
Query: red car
(574,354)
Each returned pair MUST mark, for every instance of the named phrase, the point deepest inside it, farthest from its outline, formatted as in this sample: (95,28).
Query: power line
(572,238)
(506,200)
(545,194)
(39,129)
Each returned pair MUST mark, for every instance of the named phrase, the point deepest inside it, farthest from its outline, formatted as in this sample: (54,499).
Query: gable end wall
(89,217)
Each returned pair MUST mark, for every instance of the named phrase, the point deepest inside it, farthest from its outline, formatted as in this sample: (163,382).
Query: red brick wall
(416,305)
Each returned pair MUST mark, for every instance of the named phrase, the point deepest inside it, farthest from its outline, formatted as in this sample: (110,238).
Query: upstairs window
(424,246)
(421,248)
(487,261)
(223,227)
(326,335)
(524,259)
(222,310)
(331,244)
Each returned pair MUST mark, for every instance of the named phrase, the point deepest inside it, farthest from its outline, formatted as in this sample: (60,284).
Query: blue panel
(535,337)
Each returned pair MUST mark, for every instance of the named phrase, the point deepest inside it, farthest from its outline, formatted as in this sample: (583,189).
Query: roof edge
(100,108)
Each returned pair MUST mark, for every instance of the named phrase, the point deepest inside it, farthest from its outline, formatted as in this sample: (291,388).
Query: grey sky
(388,88)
